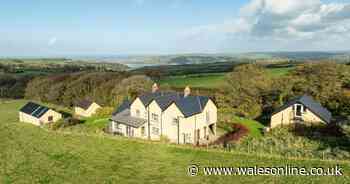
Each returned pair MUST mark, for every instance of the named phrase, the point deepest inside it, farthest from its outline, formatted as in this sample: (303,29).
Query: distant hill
(310,55)
(137,61)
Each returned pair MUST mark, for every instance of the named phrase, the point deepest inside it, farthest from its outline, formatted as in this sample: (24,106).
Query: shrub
(104,112)
(238,131)
(70,121)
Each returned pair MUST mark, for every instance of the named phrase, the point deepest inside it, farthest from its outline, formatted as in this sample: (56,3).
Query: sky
(122,27)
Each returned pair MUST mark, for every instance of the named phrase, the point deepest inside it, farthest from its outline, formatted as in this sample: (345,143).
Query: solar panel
(34,109)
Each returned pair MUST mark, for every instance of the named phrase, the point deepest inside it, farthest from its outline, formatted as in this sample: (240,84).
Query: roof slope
(312,105)
(34,109)
(84,104)
(189,105)
(125,118)
(125,105)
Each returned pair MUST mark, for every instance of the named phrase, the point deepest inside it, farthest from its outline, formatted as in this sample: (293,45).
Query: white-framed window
(138,113)
(207,116)
(143,131)
(298,109)
(155,131)
(155,117)
(50,118)
(175,121)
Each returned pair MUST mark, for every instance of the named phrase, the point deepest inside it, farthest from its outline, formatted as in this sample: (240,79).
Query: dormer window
(298,110)
(138,113)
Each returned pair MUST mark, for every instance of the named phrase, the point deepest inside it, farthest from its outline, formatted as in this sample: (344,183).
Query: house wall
(138,105)
(23,117)
(87,113)
(286,116)
(188,126)
(166,127)
(170,130)
(122,130)
(155,124)
(192,124)
(55,116)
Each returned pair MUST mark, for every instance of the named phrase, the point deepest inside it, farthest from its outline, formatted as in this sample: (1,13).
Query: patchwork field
(211,80)
(196,80)
(34,155)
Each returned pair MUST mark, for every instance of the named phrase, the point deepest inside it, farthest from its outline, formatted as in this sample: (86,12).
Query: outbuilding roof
(84,104)
(34,109)
(311,104)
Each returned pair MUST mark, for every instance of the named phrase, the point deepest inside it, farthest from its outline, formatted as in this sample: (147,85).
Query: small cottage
(86,108)
(304,110)
(38,114)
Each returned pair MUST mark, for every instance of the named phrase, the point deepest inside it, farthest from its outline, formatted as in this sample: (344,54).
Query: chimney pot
(155,88)
(187,91)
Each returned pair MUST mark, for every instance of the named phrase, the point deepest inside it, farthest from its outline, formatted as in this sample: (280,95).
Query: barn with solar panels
(38,114)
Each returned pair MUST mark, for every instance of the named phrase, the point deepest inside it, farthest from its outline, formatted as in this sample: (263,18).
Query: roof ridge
(199,102)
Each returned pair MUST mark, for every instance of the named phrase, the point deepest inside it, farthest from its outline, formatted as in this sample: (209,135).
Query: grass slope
(255,128)
(32,155)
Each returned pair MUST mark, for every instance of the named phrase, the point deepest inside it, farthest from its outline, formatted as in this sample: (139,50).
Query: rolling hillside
(34,155)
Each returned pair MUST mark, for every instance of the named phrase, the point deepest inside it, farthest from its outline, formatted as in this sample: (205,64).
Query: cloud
(52,41)
(287,23)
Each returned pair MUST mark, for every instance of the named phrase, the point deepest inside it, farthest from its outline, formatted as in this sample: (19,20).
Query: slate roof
(311,104)
(125,118)
(125,105)
(34,109)
(189,105)
(84,104)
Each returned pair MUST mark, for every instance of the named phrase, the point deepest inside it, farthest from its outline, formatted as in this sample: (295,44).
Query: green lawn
(31,154)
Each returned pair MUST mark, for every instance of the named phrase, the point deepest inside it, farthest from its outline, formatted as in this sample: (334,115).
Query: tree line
(105,88)
(250,91)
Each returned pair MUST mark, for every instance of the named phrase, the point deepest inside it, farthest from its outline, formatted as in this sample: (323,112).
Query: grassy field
(211,80)
(31,154)
(197,80)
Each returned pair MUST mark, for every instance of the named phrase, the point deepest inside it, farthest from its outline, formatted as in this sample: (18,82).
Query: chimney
(155,88)
(187,91)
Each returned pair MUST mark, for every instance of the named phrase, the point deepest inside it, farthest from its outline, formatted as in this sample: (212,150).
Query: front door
(198,135)
(129,131)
